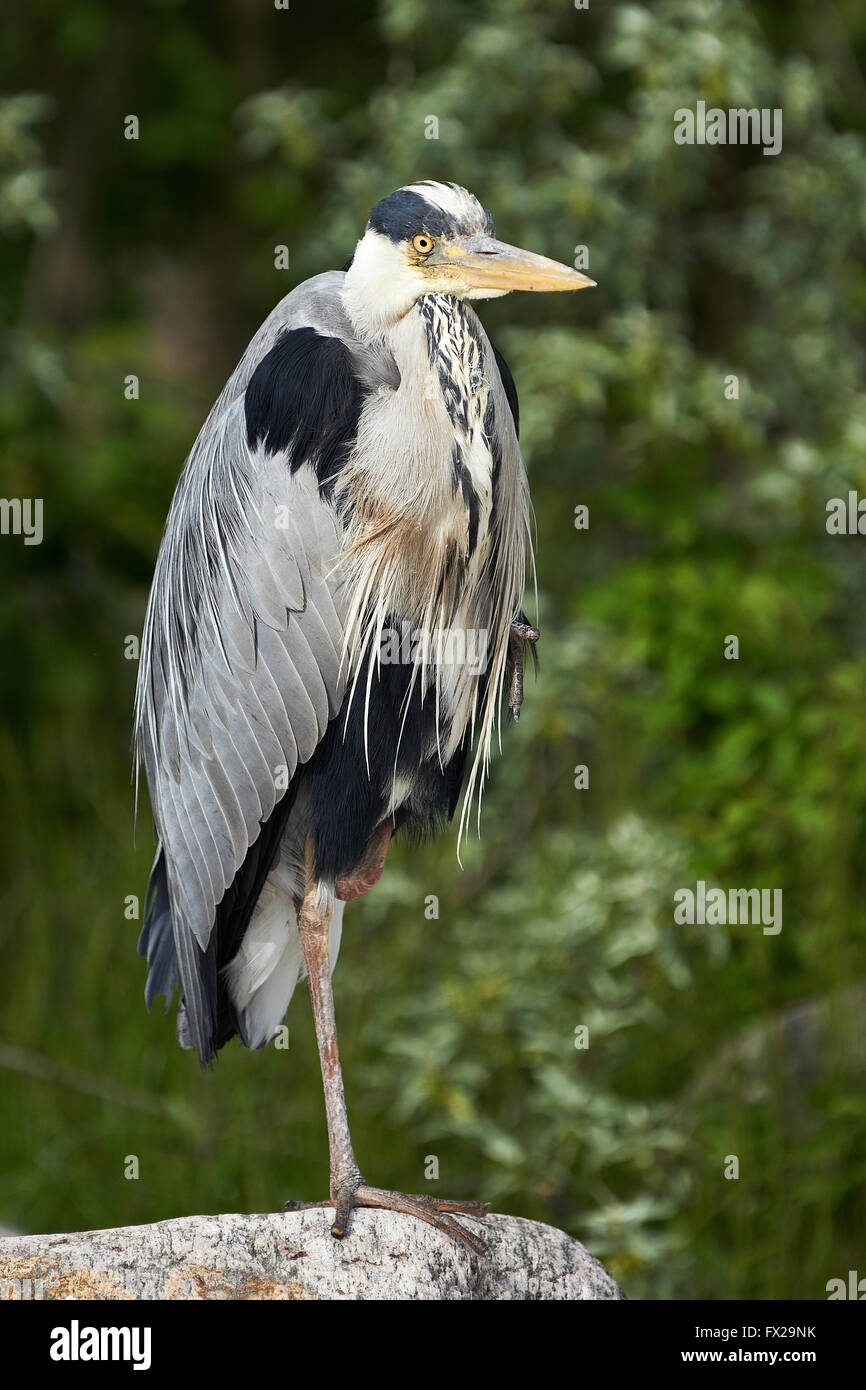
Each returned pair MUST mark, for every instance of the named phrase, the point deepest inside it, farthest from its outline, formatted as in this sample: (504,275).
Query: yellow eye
(423,244)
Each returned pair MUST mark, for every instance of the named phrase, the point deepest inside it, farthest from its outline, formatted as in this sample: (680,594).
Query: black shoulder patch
(305,397)
(510,388)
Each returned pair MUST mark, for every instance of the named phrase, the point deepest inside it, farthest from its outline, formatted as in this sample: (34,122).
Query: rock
(293,1255)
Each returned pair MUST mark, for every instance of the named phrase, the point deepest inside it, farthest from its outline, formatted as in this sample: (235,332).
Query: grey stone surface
(293,1255)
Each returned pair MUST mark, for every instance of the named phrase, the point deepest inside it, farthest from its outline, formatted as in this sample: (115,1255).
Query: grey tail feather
(157,940)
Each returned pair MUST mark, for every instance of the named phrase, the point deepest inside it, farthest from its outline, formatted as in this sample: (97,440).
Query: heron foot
(436,1211)
(520,633)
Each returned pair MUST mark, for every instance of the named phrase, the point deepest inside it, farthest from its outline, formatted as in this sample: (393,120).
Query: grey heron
(360,474)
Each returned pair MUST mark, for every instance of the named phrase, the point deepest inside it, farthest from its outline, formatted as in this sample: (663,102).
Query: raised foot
(520,632)
(436,1211)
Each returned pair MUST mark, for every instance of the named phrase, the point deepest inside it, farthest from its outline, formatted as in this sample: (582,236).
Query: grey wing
(240,675)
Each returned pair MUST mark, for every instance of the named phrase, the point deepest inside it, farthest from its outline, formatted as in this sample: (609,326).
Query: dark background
(707,518)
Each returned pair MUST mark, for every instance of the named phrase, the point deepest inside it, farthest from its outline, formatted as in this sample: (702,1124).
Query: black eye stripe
(399,216)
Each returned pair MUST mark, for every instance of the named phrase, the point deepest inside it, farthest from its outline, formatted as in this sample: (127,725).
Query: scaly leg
(520,633)
(347,1187)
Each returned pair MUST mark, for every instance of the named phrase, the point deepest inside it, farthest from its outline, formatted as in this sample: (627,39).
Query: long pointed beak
(483,263)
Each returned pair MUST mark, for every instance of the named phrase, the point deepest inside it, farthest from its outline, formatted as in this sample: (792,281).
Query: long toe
(436,1211)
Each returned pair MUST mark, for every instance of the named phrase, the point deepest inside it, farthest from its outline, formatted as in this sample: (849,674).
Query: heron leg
(519,633)
(347,1187)
(313,922)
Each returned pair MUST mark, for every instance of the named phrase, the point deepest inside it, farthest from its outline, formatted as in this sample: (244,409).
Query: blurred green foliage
(156,257)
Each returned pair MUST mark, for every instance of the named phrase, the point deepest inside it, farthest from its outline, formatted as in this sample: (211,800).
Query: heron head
(436,238)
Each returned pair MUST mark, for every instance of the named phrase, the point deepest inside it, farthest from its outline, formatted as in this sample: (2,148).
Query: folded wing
(241,657)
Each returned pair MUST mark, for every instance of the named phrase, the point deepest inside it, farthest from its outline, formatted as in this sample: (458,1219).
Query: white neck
(379,288)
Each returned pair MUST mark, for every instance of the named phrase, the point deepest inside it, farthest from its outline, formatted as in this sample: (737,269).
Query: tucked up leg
(520,632)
